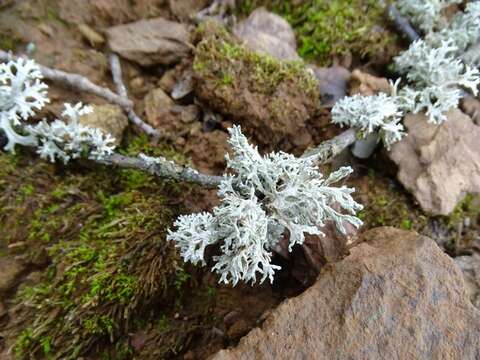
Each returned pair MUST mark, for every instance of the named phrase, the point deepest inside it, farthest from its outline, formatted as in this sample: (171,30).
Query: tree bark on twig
(116,70)
(402,24)
(75,81)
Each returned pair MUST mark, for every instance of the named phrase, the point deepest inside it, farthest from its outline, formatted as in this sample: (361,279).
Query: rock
(10,271)
(397,296)
(471,106)
(158,106)
(183,87)
(366,84)
(439,164)
(168,80)
(185,9)
(332,83)
(271,99)
(150,42)
(94,38)
(266,32)
(470,266)
(108,118)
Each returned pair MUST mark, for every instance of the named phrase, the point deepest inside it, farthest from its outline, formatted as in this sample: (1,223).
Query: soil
(186,314)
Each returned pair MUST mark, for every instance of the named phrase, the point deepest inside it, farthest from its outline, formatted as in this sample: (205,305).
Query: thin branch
(402,24)
(162,168)
(327,150)
(76,82)
(116,70)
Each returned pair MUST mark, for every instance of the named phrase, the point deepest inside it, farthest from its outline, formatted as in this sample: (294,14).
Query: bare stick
(327,150)
(402,24)
(76,82)
(116,70)
(162,168)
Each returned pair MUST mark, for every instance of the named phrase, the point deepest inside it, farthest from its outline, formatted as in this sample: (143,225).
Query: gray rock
(439,164)
(470,265)
(108,118)
(397,296)
(266,32)
(150,42)
(186,9)
(332,83)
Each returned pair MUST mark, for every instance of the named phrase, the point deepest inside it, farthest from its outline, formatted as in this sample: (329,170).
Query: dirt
(47,210)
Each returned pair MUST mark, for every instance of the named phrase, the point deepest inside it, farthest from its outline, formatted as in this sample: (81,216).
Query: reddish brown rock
(397,296)
(439,164)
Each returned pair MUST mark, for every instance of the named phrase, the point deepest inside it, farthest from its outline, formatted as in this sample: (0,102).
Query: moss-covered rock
(271,98)
(329,28)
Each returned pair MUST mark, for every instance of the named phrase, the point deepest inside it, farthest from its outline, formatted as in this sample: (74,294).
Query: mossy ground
(330,28)
(95,237)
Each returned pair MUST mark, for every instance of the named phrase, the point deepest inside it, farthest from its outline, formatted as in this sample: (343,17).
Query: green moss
(387,204)
(326,28)
(469,207)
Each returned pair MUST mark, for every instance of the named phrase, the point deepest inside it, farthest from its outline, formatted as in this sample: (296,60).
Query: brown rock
(94,38)
(266,32)
(368,85)
(10,271)
(397,296)
(185,9)
(150,42)
(108,118)
(471,106)
(439,164)
(158,106)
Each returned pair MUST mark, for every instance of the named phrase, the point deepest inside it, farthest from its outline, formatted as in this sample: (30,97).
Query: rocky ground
(85,270)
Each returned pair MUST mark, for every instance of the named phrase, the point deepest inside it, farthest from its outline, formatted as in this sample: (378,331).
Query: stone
(10,272)
(269,33)
(108,118)
(186,9)
(470,265)
(439,164)
(150,42)
(332,83)
(397,296)
(471,106)
(366,84)
(158,106)
(94,38)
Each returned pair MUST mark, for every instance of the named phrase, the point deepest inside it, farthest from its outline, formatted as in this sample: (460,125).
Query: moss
(469,207)
(328,28)
(387,204)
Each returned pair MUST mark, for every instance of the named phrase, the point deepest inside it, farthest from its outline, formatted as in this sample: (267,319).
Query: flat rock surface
(266,32)
(439,164)
(108,118)
(150,42)
(397,296)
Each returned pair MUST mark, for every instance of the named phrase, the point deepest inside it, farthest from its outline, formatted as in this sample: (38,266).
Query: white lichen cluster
(462,31)
(267,198)
(436,79)
(67,139)
(22,94)
(369,114)
(427,15)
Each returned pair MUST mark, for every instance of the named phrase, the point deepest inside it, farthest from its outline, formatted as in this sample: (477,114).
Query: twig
(162,168)
(116,70)
(402,24)
(75,81)
(327,150)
